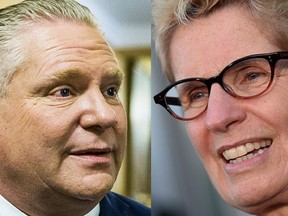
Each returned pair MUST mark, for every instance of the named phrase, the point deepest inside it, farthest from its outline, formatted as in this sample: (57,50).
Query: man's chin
(90,188)
(94,193)
(93,196)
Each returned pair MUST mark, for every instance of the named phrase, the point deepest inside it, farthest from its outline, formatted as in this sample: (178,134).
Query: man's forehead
(64,30)
(48,36)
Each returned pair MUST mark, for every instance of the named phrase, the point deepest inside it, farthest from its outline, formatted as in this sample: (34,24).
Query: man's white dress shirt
(7,209)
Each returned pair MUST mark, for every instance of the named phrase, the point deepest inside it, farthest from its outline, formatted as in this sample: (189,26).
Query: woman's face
(203,48)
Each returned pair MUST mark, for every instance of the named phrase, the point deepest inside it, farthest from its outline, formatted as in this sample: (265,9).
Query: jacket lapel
(111,205)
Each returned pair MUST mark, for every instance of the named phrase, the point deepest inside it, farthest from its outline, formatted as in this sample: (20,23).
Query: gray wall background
(180,185)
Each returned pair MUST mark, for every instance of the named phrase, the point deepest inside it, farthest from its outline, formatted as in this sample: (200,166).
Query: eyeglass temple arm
(168,100)
(173,101)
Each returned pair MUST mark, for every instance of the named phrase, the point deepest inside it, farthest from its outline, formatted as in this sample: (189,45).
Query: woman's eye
(198,96)
(253,76)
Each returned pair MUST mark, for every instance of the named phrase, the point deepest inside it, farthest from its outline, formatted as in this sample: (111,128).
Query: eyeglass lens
(244,79)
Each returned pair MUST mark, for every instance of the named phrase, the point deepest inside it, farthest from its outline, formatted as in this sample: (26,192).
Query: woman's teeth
(244,152)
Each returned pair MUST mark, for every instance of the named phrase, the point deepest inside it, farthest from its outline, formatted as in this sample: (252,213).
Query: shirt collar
(8,209)
(95,211)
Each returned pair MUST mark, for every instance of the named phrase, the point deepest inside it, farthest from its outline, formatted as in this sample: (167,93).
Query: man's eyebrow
(115,73)
(61,77)
(78,76)
(67,74)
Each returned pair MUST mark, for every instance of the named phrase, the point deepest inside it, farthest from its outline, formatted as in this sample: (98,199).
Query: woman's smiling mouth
(246,151)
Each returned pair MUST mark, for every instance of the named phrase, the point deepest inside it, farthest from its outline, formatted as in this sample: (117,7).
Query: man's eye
(64,92)
(112,92)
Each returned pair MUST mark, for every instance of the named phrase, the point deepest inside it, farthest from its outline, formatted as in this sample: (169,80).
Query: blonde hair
(17,19)
(168,15)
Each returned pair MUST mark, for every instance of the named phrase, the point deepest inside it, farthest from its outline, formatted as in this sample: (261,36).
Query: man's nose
(97,112)
(223,111)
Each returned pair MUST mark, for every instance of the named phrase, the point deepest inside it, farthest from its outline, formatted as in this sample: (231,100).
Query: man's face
(202,49)
(63,127)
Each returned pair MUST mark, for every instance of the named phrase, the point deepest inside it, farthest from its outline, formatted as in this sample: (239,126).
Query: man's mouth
(93,152)
(247,151)
(94,156)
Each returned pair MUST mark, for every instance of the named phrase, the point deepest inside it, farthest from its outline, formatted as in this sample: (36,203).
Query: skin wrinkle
(67,59)
(25,117)
(57,48)
(95,50)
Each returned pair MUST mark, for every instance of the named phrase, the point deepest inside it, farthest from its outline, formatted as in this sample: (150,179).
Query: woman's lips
(246,151)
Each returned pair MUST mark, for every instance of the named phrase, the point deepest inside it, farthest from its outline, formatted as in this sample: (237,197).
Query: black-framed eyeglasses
(247,77)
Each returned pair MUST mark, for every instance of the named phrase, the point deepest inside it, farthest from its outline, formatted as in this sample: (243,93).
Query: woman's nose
(223,111)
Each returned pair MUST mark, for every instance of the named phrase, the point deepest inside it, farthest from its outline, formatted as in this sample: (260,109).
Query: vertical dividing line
(130,62)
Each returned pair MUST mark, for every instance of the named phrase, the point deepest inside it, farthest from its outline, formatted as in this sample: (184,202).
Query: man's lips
(91,151)
(93,156)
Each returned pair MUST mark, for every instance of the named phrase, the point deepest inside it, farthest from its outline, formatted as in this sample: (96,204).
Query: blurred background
(127,27)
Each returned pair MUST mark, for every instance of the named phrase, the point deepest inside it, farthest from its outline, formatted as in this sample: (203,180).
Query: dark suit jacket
(116,205)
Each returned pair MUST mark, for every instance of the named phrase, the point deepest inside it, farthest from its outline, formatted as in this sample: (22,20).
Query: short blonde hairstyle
(17,19)
(168,15)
